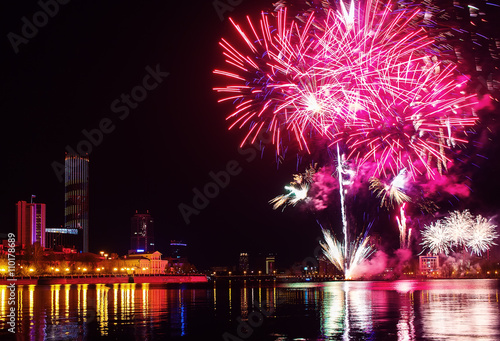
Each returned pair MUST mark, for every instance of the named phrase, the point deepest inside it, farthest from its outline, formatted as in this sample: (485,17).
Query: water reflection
(365,310)
(69,312)
(401,310)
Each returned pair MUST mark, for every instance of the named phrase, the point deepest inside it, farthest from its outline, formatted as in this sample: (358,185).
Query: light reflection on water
(400,310)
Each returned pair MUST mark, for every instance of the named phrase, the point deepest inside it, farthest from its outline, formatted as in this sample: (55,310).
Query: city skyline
(157,148)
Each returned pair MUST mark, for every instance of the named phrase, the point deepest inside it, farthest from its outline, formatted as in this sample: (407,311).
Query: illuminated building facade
(58,238)
(428,264)
(243,263)
(146,263)
(142,233)
(30,223)
(76,203)
(270,264)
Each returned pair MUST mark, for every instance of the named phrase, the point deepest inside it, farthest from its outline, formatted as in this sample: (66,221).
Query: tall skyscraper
(76,205)
(142,234)
(30,223)
(243,263)
(270,264)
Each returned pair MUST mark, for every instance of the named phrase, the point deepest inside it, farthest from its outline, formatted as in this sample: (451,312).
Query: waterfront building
(270,264)
(60,237)
(146,263)
(429,264)
(30,221)
(76,200)
(142,233)
(243,264)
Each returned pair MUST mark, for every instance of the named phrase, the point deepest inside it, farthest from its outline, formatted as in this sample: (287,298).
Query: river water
(466,309)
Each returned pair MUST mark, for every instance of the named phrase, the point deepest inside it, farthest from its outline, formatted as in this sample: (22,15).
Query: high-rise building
(142,234)
(30,223)
(270,264)
(243,263)
(76,205)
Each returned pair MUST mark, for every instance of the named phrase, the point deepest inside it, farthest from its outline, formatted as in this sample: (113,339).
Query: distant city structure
(243,263)
(30,223)
(178,250)
(59,237)
(142,233)
(76,204)
(270,264)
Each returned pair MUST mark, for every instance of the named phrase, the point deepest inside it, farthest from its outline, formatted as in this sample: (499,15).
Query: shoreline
(152,279)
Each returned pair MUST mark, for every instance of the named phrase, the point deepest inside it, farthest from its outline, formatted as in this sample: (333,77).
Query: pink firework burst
(363,78)
(274,89)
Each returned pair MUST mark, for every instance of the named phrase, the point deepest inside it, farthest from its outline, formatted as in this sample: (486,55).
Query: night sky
(64,80)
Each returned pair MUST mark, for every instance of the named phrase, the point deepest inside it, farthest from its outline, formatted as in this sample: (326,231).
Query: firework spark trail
(459,226)
(334,250)
(460,231)
(482,237)
(435,238)
(292,198)
(391,193)
(343,211)
(366,79)
(404,234)
(298,189)
(369,81)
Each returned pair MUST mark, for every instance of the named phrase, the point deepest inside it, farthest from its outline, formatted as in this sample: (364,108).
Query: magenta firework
(364,78)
